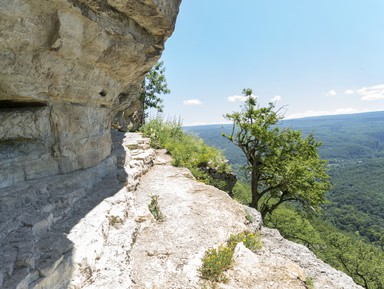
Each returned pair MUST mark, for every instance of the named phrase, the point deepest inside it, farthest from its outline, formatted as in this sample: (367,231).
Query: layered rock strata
(68,68)
(104,235)
(52,230)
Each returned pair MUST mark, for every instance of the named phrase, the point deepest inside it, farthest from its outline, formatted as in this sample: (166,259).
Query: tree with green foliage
(346,252)
(363,262)
(154,85)
(296,227)
(284,166)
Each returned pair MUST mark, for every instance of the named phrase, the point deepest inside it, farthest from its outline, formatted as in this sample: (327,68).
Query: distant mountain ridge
(363,132)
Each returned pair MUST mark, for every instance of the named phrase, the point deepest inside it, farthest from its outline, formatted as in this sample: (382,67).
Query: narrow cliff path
(140,252)
(168,254)
(93,229)
(145,253)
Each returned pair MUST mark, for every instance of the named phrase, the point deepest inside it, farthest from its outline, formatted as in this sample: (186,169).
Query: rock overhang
(68,68)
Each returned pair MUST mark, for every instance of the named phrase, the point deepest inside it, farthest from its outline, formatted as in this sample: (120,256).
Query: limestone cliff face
(81,230)
(68,68)
(72,211)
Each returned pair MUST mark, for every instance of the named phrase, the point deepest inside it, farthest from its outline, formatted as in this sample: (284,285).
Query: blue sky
(316,57)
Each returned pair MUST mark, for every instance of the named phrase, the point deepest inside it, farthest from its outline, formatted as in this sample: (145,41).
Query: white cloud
(192,102)
(276,98)
(375,92)
(349,92)
(236,98)
(331,93)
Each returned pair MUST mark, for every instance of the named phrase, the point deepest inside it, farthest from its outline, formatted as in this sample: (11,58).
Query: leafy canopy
(283,165)
(154,85)
(361,261)
(343,251)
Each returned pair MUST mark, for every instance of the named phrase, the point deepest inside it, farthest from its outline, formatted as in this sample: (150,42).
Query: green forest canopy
(354,146)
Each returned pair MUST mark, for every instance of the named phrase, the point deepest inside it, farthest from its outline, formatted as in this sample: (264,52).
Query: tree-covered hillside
(349,233)
(354,146)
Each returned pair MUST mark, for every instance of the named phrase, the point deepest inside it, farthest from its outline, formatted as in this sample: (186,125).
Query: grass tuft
(216,261)
(154,208)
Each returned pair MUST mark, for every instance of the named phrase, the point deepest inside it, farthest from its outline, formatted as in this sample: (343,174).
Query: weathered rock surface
(168,254)
(68,68)
(53,228)
(73,212)
(93,229)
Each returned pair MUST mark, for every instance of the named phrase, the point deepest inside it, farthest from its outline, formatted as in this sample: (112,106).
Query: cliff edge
(73,213)
(95,232)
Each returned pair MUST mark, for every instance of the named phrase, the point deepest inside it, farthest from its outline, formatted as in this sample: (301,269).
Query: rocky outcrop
(54,229)
(223,180)
(73,213)
(68,68)
(93,229)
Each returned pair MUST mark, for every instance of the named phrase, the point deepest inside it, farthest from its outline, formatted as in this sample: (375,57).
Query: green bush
(250,240)
(216,261)
(187,150)
(309,283)
(242,193)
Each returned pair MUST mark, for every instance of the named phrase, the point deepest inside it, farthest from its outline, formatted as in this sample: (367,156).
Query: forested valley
(349,231)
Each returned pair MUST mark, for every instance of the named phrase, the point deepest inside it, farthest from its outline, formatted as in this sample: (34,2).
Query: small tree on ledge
(153,86)
(284,166)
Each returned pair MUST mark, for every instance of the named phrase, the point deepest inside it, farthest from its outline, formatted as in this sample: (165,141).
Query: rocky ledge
(93,229)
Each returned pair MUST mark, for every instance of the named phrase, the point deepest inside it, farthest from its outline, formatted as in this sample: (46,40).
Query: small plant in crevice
(216,261)
(154,208)
(250,240)
(309,284)
(113,220)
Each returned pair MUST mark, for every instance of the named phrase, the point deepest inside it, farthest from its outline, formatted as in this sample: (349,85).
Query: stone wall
(68,68)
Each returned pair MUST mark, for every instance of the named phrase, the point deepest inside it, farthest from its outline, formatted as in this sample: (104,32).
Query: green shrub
(160,131)
(309,283)
(187,150)
(250,240)
(242,193)
(216,261)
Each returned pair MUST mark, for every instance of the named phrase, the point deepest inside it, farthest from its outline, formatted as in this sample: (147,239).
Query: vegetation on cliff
(349,233)
(344,251)
(283,166)
(154,85)
(187,150)
(216,261)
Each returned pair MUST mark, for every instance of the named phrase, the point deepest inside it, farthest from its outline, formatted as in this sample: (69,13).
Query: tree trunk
(254,189)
